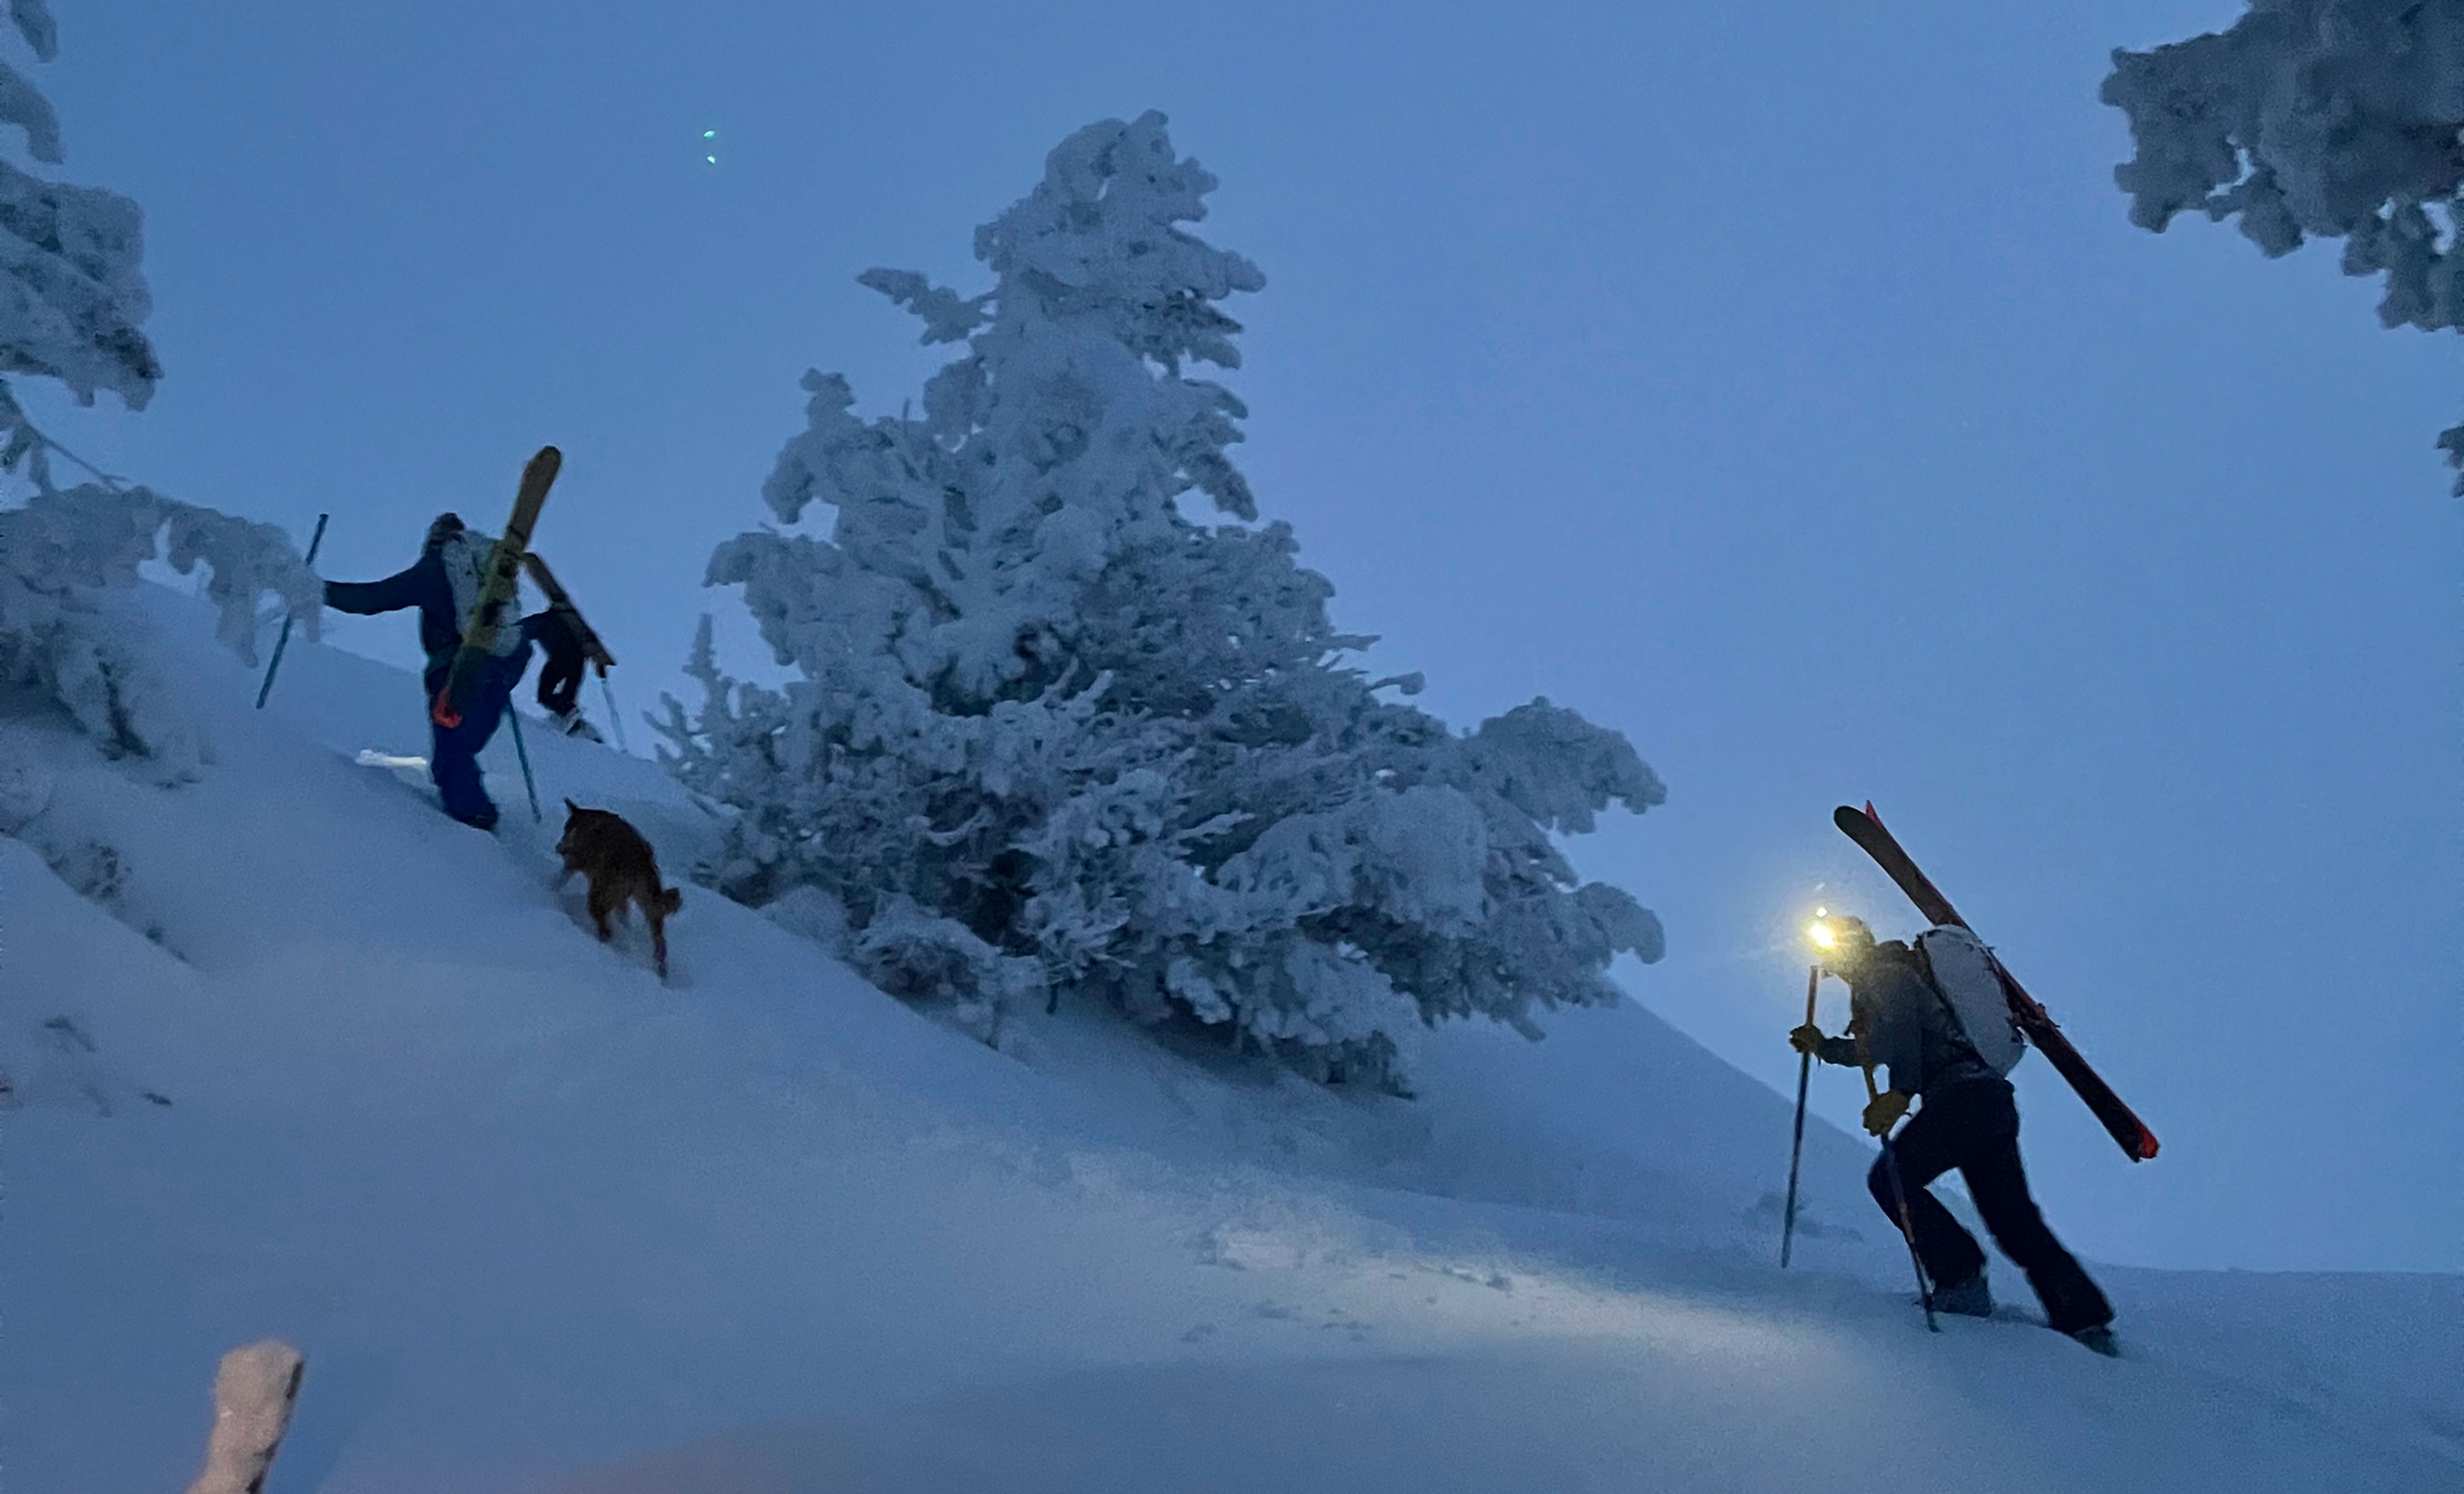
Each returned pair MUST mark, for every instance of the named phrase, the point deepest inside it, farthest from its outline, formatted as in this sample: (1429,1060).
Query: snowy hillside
(294,1055)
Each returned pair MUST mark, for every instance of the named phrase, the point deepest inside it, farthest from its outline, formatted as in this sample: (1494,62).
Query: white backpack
(465,554)
(1963,974)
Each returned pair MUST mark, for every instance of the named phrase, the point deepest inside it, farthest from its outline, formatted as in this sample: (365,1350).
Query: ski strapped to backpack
(2127,1129)
(559,601)
(497,589)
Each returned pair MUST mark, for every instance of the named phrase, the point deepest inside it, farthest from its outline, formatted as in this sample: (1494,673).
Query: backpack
(1962,972)
(465,556)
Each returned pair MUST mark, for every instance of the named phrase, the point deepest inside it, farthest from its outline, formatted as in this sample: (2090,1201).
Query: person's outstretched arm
(403,589)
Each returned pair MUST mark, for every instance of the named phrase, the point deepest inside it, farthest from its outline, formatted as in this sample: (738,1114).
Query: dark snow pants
(559,681)
(453,752)
(1974,1127)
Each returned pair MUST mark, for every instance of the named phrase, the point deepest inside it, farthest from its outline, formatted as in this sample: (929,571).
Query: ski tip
(543,466)
(1851,818)
(2146,1151)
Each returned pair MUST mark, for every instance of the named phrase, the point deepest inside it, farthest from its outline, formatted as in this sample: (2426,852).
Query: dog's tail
(670,898)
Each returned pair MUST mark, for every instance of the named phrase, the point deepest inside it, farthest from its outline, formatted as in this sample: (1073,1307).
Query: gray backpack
(1962,972)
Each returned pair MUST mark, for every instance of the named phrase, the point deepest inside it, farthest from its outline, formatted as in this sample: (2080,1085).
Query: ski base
(499,587)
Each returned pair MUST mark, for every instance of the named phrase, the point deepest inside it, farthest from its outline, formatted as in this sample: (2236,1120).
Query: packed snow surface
(292,1056)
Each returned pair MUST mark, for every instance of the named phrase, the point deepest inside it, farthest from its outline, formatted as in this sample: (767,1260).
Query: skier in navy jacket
(444,585)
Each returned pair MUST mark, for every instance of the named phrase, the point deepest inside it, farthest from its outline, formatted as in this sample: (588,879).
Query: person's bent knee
(1878,1182)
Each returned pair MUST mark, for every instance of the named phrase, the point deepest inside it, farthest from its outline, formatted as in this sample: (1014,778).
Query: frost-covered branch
(63,632)
(2315,118)
(71,292)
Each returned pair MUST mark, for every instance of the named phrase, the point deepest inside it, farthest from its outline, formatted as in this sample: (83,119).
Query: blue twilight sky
(1782,385)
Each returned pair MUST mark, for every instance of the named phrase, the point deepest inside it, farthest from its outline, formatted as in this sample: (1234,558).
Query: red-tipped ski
(2128,1131)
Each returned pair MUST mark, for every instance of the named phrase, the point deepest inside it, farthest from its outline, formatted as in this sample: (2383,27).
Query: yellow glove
(1883,1111)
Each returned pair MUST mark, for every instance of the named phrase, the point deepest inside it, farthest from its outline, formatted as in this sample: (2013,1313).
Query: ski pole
(1908,1220)
(514,718)
(1796,1148)
(1908,1228)
(284,641)
(614,718)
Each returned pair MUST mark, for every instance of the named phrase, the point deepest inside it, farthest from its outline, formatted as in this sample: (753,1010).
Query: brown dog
(622,869)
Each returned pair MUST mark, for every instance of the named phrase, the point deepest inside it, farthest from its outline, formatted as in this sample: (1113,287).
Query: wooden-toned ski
(497,587)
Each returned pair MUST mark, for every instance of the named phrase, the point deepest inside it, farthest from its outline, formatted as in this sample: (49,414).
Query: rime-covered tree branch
(2315,118)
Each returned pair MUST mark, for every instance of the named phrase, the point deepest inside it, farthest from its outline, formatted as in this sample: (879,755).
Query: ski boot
(1971,1298)
(573,723)
(2100,1340)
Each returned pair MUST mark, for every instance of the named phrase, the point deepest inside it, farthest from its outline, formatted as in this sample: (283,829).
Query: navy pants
(1974,1127)
(453,752)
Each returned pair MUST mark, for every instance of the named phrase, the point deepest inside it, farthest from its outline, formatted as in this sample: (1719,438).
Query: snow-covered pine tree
(71,292)
(2328,119)
(1049,730)
(72,296)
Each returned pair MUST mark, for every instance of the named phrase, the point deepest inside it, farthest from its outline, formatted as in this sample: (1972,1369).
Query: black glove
(1807,1039)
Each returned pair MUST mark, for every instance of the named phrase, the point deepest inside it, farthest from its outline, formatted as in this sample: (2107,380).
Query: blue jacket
(423,586)
(426,586)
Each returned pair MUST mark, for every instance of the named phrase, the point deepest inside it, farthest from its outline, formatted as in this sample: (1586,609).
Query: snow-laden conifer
(1056,728)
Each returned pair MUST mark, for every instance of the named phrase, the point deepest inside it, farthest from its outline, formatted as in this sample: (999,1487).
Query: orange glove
(1883,1111)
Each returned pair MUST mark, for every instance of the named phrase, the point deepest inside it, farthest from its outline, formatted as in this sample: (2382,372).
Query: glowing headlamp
(1821,933)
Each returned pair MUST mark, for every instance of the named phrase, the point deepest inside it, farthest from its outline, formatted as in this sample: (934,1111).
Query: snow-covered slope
(297,1056)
